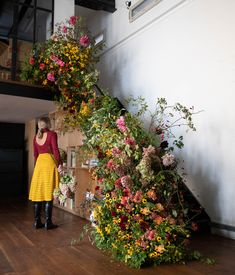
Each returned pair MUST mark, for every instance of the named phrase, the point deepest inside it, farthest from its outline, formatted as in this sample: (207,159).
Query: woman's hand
(60,169)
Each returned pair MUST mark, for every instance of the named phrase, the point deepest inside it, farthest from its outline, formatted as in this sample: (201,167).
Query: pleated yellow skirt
(45,178)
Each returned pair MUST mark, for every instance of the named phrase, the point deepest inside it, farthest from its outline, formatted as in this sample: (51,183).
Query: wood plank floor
(24,250)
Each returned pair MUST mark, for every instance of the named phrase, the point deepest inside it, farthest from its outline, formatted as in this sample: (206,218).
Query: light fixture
(128,4)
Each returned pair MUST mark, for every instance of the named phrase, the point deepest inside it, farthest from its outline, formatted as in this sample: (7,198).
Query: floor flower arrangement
(67,187)
(141,216)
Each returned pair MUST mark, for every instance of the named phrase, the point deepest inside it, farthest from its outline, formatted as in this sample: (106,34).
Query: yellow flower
(44,82)
(107,195)
(144,200)
(130,252)
(159,238)
(114,245)
(109,153)
(108,229)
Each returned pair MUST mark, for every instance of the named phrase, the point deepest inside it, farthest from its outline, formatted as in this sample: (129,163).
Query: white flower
(89,196)
(64,189)
(92,219)
(62,199)
(168,159)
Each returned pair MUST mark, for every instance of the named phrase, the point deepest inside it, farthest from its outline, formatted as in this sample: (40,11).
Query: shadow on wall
(116,74)
(202,180)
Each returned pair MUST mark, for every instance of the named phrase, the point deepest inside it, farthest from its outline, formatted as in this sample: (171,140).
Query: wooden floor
(24,250)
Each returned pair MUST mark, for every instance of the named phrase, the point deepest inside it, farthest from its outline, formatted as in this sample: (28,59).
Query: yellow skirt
(45,178)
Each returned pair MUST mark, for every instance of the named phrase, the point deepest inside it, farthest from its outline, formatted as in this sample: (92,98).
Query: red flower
(42,66)
(110,164)
(64,29)
(130,141)
(118,183)
(97,188)
(124,200)
(72,20)
(31,61)
(124,219)
(194,226)
(114,214)
(123,226)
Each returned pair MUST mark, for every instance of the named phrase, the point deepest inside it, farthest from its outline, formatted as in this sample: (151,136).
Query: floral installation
(67,188)
(139,211)
(65,64)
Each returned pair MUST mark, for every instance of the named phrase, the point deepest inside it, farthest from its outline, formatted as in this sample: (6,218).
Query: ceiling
(25,16)
(17,109)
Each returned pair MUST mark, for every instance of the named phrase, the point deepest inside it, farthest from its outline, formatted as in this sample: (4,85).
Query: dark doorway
(13,181)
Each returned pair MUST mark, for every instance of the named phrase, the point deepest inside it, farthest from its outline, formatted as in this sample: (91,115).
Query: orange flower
(160,248)
(145,211)
(159,207)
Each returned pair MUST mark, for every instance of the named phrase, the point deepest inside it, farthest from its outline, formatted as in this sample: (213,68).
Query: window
(141,7)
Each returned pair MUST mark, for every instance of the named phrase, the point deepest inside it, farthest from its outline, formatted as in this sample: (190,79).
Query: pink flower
(84,41)
(60,63)
(72,20)
(150,234)
(138,196)
(120,122)
(116,151)
(42,66)
(51,77)
(130,141)
(53,57)
(31,61)
(143,245)
(110,164)
(64,29)
(113,194)
(100,180)
(64,189)
(168,159)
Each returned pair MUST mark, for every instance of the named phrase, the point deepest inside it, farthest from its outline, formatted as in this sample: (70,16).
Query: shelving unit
(70,142)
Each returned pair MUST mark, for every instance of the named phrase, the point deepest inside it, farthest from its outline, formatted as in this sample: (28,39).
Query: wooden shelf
(70,142)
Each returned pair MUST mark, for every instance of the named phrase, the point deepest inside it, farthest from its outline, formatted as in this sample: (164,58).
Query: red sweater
(50,146)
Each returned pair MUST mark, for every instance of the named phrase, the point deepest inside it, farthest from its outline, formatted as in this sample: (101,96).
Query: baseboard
(224,230)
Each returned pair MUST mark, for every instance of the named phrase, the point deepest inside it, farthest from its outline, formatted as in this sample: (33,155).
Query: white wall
(183,51)
(63,10)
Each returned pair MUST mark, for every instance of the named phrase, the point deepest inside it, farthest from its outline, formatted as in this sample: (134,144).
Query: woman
(45,176)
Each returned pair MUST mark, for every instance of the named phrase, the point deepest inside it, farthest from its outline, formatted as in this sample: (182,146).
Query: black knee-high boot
(48,214)
(37,215)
